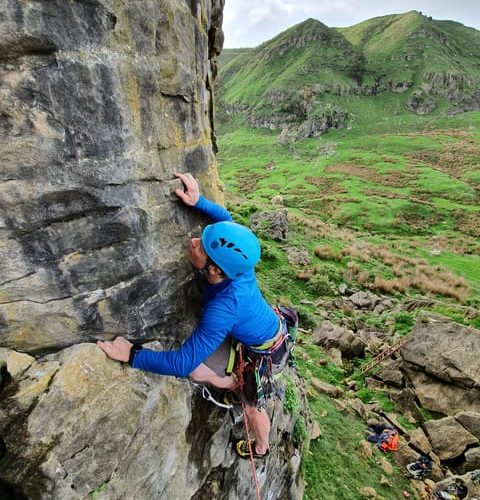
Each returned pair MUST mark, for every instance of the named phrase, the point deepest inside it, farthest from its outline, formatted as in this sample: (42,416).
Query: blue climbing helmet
(233,247)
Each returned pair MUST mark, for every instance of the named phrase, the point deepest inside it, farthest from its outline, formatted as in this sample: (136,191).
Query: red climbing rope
(249,442)
(240,369)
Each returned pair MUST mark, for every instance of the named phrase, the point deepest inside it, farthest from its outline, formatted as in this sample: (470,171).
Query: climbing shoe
(241,448)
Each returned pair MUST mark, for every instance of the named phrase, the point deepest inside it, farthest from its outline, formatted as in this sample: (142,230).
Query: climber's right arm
(191,196)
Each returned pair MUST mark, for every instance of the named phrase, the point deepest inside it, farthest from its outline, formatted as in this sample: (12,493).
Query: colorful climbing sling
(256,366)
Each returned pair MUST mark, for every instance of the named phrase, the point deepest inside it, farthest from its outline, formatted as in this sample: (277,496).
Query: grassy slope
(359,181)
(390,205)
(333,468)
(386,173)
(403,47)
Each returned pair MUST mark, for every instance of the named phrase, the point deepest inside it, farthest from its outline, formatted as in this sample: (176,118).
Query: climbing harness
(255,368)
(262,363)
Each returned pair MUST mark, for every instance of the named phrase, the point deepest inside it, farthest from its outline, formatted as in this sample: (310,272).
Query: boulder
(364,450)
(359,407)
(17,363)
(325,388)
(471,421)
(441,397)
(386,466)
(441,362)
(373,383)
(448,437)
(390,373)
(335,356)
(471,480)
(364,300)
(273,224)
(297,256)
(437,473)
(374,340)
(316,431)
(385,482)
(419,441)
(472,459)
(368,492)
(329,335)
(404,399)
(404,455)
(277,200)
(384,305)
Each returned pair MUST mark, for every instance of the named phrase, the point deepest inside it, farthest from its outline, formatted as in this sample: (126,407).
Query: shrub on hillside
(322,285)
(389,286)
(436,280)
(403,323)
(269,252)
(306,319)
(327,253)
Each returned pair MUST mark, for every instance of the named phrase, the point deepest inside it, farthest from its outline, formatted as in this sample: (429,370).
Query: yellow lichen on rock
(18,362)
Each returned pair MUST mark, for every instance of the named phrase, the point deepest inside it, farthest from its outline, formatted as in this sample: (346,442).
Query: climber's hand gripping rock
(118,349)
(191,193)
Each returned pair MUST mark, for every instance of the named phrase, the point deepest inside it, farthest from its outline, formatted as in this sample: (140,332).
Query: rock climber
(233,308)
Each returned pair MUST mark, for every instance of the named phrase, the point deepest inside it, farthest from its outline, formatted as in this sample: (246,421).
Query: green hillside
(407,48)
(308,53)
(324,78)
(379,171)
(396,213)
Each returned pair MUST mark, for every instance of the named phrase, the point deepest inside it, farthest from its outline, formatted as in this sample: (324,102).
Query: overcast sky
(247,23)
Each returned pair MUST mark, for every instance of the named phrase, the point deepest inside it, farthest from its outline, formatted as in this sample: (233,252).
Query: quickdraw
(207,395)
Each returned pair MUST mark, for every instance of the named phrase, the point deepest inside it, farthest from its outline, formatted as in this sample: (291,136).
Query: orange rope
(252,463)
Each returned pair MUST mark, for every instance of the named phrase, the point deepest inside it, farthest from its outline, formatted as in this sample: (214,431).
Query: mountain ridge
(304,73)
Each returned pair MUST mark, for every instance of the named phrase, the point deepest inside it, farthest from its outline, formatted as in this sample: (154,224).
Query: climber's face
(196,254)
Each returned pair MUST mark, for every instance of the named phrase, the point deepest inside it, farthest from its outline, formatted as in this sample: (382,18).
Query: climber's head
(233,248)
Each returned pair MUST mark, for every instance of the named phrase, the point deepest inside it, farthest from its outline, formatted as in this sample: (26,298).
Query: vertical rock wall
(100,102)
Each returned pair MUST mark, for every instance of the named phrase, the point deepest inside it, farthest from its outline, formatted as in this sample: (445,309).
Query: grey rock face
(101,102)
(448,437)
(274,224)
(75,423)
(442,363)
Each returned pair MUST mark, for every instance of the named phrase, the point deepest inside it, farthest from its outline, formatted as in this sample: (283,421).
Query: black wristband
(133,351)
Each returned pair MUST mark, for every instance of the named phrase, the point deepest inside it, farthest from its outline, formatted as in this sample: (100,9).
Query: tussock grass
(392,285)
(327,253)
(408,273)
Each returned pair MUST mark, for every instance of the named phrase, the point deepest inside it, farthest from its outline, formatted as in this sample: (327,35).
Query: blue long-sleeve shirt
(232,307)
